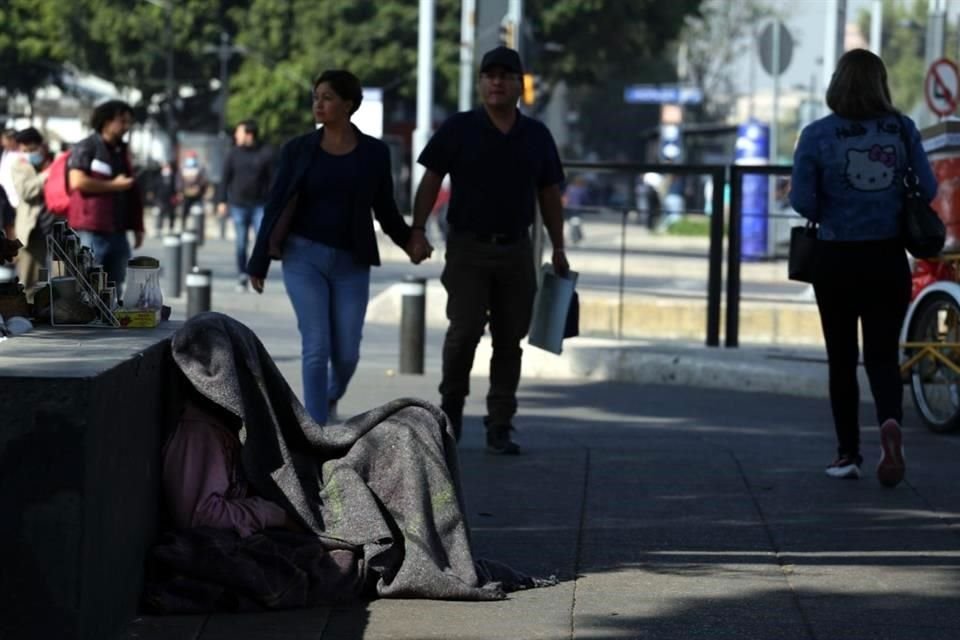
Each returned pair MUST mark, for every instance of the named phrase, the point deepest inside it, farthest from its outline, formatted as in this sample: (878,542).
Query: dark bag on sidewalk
(802,263)
(921,228)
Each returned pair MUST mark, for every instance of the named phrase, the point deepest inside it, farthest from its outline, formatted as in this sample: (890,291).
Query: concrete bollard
(413,316)
(170,268)
(188,253)
(196,221)
(199,286)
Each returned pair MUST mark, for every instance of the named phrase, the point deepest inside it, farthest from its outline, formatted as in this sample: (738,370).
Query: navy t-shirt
(94,155)
(324,200)
(494,176)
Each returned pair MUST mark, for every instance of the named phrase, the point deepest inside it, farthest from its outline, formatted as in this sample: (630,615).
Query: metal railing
(720,175)
(735,242)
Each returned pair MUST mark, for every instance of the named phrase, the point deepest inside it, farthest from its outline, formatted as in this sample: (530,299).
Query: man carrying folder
(501,163)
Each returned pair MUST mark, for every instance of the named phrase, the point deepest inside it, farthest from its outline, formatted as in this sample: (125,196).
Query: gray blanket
(385,482)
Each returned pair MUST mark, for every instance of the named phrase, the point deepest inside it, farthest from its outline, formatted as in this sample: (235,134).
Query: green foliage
(603,36)
(31,44)
(288,42)
(904,26)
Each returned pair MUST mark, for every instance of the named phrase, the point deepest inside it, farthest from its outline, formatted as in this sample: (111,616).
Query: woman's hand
(256,283)
(418,247)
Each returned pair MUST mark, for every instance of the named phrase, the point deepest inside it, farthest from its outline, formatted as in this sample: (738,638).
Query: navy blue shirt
(325,200)
(494,176)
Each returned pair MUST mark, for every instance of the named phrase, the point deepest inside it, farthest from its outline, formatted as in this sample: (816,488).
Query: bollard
(413,296)
(188,253)
(199,284)
(196,222)
(170,267)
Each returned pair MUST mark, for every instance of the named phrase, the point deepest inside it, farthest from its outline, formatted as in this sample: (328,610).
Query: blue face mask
(35,158)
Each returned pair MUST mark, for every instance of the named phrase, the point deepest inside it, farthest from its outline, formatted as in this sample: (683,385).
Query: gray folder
(550,309)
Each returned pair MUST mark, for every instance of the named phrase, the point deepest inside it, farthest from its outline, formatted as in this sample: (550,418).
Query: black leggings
(867,281)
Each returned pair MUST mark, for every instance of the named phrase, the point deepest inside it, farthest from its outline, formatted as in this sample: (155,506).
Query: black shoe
(454,411)
(499,442)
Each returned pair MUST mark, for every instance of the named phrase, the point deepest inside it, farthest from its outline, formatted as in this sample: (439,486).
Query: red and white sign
(942,86)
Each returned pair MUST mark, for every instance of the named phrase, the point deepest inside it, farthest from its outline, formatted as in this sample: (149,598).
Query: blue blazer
(374,193)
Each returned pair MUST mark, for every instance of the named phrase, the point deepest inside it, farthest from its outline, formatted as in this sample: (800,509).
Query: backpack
(56,190)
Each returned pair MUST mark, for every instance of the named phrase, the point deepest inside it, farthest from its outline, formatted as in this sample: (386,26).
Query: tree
(713,42)
(902,46)
(32,46)
(598,47)
(289,42)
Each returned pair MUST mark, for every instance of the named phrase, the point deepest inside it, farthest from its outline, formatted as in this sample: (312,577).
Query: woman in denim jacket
(848,173)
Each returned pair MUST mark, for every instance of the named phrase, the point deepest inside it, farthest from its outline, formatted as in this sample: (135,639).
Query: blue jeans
(112,250)
(329,292)
(244,218)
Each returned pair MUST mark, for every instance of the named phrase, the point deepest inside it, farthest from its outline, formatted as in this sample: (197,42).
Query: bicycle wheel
(934,385)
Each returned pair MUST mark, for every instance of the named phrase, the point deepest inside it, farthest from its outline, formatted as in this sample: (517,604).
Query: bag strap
(910,179)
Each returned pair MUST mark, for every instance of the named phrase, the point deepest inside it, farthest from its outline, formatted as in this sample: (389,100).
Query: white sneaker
(847,467)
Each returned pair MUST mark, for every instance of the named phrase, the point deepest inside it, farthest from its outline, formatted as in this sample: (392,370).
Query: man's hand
(222,209)
(418,247)
(560,265)
(137,239)
(256,283)
(122,182)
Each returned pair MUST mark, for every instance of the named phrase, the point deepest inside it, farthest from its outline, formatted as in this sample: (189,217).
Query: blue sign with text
(661,94)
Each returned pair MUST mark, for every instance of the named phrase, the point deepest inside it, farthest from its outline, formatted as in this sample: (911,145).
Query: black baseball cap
(501,57)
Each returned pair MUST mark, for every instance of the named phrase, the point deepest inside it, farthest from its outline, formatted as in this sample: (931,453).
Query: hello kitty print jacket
(848,176)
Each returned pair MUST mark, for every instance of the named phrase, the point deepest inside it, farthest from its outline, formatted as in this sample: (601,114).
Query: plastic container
(142,290)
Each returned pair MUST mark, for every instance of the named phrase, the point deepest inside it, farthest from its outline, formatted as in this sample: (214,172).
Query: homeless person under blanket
(384,484)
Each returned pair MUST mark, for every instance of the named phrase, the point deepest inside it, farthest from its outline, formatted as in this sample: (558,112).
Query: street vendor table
(81,415)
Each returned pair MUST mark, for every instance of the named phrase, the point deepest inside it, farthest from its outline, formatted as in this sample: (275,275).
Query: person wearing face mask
(105,201)
(32,221)
(191,184)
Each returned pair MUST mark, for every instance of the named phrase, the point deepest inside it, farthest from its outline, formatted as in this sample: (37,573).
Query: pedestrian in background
(243,189)
(33,221)
(500,163)
(318,222)
(192,185)
(164,197)
(105,201)
(8,200)
(848,174)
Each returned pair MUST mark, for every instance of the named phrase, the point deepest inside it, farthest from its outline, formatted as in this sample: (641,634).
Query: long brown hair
(858,89)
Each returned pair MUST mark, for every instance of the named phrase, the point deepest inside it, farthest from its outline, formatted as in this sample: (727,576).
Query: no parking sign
(942,86)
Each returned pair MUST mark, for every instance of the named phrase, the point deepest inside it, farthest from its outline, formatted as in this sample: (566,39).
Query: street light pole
(224,53)
(171,88)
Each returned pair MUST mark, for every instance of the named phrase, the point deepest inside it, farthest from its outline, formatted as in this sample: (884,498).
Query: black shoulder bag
(802,261)
(921,228)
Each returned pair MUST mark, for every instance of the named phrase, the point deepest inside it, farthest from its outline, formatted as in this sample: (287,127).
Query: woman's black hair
(344,84)
(858,89)
(28,136)
(104,113)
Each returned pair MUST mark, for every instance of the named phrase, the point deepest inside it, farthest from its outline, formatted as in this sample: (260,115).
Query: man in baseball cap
(503,57)
(501,163)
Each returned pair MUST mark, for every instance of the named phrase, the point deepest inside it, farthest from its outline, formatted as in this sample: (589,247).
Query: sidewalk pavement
(668,509)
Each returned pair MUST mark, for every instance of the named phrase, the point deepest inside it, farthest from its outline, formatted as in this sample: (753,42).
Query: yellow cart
(930,347)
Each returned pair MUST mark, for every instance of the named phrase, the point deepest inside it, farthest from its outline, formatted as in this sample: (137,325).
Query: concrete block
(79,478)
